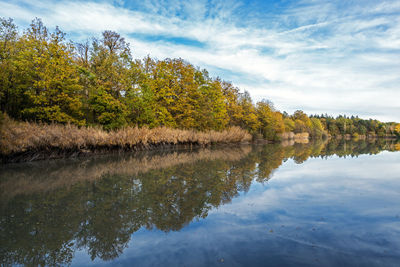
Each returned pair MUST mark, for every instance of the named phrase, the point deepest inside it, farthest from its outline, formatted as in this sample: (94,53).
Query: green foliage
(8,50)
(302,122)
(45,82)
(248,119)
(212,110)
(289,124)
(108,111)
(44,78)
(317,130)
(271,121)
(355,126)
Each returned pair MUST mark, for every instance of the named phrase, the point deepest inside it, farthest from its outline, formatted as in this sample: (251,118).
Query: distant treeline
(45,78)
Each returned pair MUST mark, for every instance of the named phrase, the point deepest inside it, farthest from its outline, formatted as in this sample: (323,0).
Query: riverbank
(27,141)
(24,141)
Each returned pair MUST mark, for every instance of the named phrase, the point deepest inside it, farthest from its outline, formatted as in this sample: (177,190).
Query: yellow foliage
(397,147)
(397,128)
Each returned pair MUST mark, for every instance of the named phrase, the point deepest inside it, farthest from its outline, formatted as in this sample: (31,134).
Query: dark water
(321,204)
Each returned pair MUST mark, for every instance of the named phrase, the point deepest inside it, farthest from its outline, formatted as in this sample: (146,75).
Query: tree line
(45,78)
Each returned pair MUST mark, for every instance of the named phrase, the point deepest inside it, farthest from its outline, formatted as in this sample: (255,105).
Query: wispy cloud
(318,56)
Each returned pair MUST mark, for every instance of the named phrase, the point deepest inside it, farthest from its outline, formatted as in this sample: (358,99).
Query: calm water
(323,204)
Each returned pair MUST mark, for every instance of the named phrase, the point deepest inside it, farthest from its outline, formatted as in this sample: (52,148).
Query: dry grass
(304,136)
(286,135)
(17,137)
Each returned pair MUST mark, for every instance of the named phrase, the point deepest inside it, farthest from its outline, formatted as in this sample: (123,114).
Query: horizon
(300,55)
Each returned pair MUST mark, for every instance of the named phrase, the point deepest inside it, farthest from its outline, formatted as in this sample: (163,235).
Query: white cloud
(314,56)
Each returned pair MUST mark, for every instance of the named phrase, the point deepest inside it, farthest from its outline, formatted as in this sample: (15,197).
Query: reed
(19,137)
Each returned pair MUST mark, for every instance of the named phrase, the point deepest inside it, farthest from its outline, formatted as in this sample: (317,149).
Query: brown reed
(19,137)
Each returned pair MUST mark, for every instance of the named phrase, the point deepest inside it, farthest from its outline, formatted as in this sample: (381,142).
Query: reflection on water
(59,212)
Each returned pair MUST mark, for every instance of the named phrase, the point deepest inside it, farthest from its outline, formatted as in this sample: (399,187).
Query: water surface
(320,204)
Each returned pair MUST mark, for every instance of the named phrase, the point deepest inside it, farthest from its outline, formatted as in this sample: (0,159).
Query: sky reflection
(318,213)
(317,204)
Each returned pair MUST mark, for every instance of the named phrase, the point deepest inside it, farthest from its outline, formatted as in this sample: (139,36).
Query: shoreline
(26,142)
(57,153)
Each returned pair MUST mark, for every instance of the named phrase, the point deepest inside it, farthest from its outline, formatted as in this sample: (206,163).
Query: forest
(46,79)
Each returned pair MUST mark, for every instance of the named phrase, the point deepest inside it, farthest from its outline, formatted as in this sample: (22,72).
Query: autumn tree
(140,99)
(45,78)
(397,129)
(317,130)
(271,121)
(47,81)
(289,124)
(212,109)
(249,118)
(110,60)
(302,122)
(9,100)
(232,102)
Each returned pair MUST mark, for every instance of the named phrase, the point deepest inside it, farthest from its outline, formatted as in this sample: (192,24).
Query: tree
(109,61)
(107,110)
(47,79)
(232,98)
(212,112)
(397,129)
(317,130)
(140,99)
(109,79)
(362,130)
(302,121)
(249,118)
(289,124)
(271,121)
(9,100)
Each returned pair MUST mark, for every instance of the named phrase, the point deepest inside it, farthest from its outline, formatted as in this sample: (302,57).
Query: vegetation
(20,137)
(48,80)
(356,127)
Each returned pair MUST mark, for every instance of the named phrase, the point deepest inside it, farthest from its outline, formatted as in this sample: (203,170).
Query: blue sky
(336,57)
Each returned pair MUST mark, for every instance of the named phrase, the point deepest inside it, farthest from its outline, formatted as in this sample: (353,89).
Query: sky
(335,57)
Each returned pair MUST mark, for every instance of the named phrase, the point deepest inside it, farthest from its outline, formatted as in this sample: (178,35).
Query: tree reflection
(110,199)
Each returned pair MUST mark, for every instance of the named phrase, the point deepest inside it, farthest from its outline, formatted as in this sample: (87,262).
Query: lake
(318,204)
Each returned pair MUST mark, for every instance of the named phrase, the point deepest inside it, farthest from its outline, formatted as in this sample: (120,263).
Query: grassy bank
(22,141)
